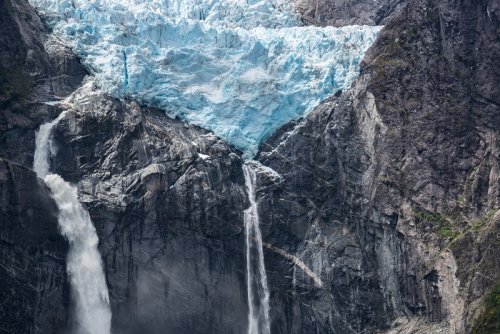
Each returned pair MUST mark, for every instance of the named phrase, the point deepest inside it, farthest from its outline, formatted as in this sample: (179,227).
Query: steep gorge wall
(387,192)
(34,297)
(390,191)
(167,200)
(34,68)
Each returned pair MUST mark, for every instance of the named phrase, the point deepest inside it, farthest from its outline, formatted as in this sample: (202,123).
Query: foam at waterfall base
(84,263)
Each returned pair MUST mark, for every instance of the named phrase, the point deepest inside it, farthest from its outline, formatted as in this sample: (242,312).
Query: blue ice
(239,68)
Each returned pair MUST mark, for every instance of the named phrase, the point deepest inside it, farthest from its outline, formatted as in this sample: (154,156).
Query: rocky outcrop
(35,69)
(167,200)
(379,210)
(34,297)
(348,12)
(389,192)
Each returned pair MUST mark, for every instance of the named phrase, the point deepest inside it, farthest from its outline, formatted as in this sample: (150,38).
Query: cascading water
(43,147)
(84,264)
(241,68)
(257,289)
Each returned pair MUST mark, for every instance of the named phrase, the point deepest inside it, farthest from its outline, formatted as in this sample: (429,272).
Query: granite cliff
(390,190)
(379,209)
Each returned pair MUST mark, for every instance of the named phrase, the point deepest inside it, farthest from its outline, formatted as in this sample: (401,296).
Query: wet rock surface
(389,192)
(34,68)
(34,295)
(379,210)
(167,200)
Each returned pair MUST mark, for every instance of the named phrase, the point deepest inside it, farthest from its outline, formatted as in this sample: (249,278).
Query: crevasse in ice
(241,68)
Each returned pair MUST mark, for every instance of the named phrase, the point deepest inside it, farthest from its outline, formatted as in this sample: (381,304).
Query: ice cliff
(239,68)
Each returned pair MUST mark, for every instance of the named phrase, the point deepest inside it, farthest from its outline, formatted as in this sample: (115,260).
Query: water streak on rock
(84,264)
(258,291)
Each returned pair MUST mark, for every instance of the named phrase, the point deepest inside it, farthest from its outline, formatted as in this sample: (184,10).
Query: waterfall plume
(84,264)
(257,288)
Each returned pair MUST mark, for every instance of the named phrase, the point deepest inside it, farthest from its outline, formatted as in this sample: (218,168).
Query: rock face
(379,210)
(348,12)
(34,296)
(390,192)
(167,200)
(35,68)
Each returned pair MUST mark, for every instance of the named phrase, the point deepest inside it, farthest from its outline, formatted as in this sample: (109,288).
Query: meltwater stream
(84,264)
(257,288)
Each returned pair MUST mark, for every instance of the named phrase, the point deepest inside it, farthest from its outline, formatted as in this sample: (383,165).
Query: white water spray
(43,147)
(84,265)
(258,315)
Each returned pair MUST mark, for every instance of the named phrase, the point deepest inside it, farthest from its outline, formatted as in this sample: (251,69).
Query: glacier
(241,68)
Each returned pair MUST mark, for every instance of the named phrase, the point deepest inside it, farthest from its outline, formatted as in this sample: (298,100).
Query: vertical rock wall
(389,192)
(34,296)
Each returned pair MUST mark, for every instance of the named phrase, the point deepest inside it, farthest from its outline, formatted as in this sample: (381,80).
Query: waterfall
(258,313)
(84,265)
(43,147)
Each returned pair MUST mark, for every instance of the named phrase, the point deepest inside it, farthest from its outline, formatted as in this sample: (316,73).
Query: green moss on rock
(447,231)
(428,216)
(489,321)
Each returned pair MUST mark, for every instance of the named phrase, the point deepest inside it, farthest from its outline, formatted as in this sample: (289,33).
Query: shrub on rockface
(489,321)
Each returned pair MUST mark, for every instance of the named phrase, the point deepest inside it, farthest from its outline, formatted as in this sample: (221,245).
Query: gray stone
(34,295)
(169,219)
(379,210)
(348,12)
(390,191)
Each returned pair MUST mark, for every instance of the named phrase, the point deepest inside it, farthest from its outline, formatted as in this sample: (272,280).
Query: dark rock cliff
(167,200)
(390,192)
(34,296)
(35,68)
(381,215)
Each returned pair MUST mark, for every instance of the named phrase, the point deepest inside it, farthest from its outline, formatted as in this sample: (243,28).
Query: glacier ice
(241,68)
